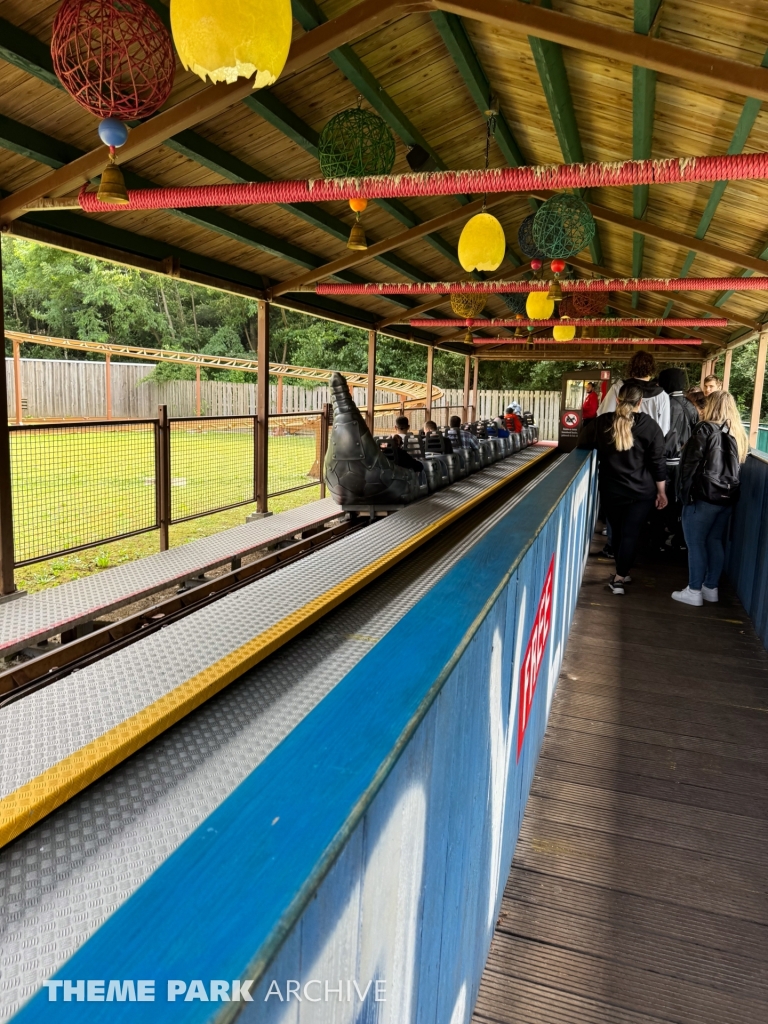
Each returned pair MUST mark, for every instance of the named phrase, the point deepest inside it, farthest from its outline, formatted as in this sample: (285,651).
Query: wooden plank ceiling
(430,74)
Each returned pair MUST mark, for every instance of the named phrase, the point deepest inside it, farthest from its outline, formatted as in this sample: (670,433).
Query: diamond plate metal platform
(61,738)
(61,879)
(35,617)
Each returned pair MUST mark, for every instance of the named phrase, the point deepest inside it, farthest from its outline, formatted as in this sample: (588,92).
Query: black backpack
(717,478)
(681,424)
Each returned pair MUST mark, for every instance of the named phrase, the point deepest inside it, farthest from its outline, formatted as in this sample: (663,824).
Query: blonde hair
(627,401)
(720,407)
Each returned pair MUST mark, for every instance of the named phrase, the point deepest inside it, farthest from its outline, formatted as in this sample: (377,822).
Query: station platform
(637,893)
(65,876)
(60,739)
(33,618)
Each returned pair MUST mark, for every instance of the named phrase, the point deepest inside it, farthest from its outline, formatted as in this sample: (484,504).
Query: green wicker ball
(515,301)
(563,226)
(356,143)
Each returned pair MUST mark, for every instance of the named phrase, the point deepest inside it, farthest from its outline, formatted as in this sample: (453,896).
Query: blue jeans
(704,527)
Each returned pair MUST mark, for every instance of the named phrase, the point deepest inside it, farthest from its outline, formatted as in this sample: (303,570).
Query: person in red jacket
(512,420)
(591,403)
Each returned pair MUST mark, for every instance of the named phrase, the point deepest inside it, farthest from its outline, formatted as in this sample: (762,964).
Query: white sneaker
(689,596)
(710,594)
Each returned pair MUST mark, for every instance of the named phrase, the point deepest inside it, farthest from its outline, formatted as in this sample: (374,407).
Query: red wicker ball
(589,303)
(114,57)
(567,307)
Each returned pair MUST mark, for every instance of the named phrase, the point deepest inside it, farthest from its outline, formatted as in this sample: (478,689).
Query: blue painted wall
(374,843)
(748,550)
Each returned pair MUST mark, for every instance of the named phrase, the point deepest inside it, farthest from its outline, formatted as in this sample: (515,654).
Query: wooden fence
(76,389)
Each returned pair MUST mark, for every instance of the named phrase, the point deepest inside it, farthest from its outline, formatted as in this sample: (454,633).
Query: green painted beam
(27,53)
(309,15)
(548,58)
(459,45)
(643,107)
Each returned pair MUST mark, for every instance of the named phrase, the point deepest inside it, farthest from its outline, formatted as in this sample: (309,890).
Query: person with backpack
(708,487)
(632,474)
(683,417)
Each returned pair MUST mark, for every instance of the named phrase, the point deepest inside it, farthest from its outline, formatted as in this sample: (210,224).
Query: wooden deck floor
(639,889)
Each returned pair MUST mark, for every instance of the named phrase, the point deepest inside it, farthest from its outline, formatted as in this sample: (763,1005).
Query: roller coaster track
(414,391)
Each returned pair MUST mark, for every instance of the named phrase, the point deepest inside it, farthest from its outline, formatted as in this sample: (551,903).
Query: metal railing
(80,485)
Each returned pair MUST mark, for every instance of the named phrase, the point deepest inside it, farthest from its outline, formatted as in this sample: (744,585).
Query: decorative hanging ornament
(555,291)
(515,301)
(115,59)
(482,245)
(354,144)
(563,226)
(588,303)
(539,306)
(526,240)
(564,332)
(468,305)
(224,40)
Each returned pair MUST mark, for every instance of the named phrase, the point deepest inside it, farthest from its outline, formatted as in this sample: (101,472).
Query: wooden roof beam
(548,57)
(628,47)
(395,242)
(210,101)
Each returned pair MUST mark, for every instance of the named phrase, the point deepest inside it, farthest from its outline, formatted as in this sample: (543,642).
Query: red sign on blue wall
(534,655)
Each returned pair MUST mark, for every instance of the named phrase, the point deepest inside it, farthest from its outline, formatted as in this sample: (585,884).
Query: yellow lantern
(564,333)
(539,306)
(228,39)
(482,245)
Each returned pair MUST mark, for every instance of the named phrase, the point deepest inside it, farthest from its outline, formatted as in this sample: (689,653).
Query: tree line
(53,292)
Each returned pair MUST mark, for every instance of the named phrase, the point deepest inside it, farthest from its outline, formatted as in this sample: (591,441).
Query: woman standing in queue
(632,474)
(708,487)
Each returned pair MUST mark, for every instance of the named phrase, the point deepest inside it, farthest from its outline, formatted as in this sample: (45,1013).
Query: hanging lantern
(564,332)
(115,59)
(563,226)
(526,240)
(223,40)
(482,245)
(567,307)
(468,305)
(539,306)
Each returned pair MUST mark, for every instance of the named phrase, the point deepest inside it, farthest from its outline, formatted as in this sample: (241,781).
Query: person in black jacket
(683,417)
(708,487)
(632,473)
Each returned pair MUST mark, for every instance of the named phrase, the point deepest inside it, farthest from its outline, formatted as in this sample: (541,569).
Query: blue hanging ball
(113,132)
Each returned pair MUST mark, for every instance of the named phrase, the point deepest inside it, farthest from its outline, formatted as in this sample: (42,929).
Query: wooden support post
(430,368)
(465,395)
(262,408)
(198,396)
(163,475)
(757,398)
(475,375)
(727,368)
(7,584)
(17,380)
(703,373)
(108,385)
(370,400)
(279,396)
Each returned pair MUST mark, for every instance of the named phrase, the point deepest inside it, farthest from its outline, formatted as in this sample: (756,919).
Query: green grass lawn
(77,487)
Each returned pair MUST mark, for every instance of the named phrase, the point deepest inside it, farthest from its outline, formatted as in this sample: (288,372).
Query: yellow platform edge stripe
(31,802)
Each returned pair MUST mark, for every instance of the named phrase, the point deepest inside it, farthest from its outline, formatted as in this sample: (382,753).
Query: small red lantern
(536,265)
(114,57)
(558,266)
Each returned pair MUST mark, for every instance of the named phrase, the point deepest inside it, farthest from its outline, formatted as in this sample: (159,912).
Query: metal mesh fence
(295,452)
(211,464)
(75,486)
